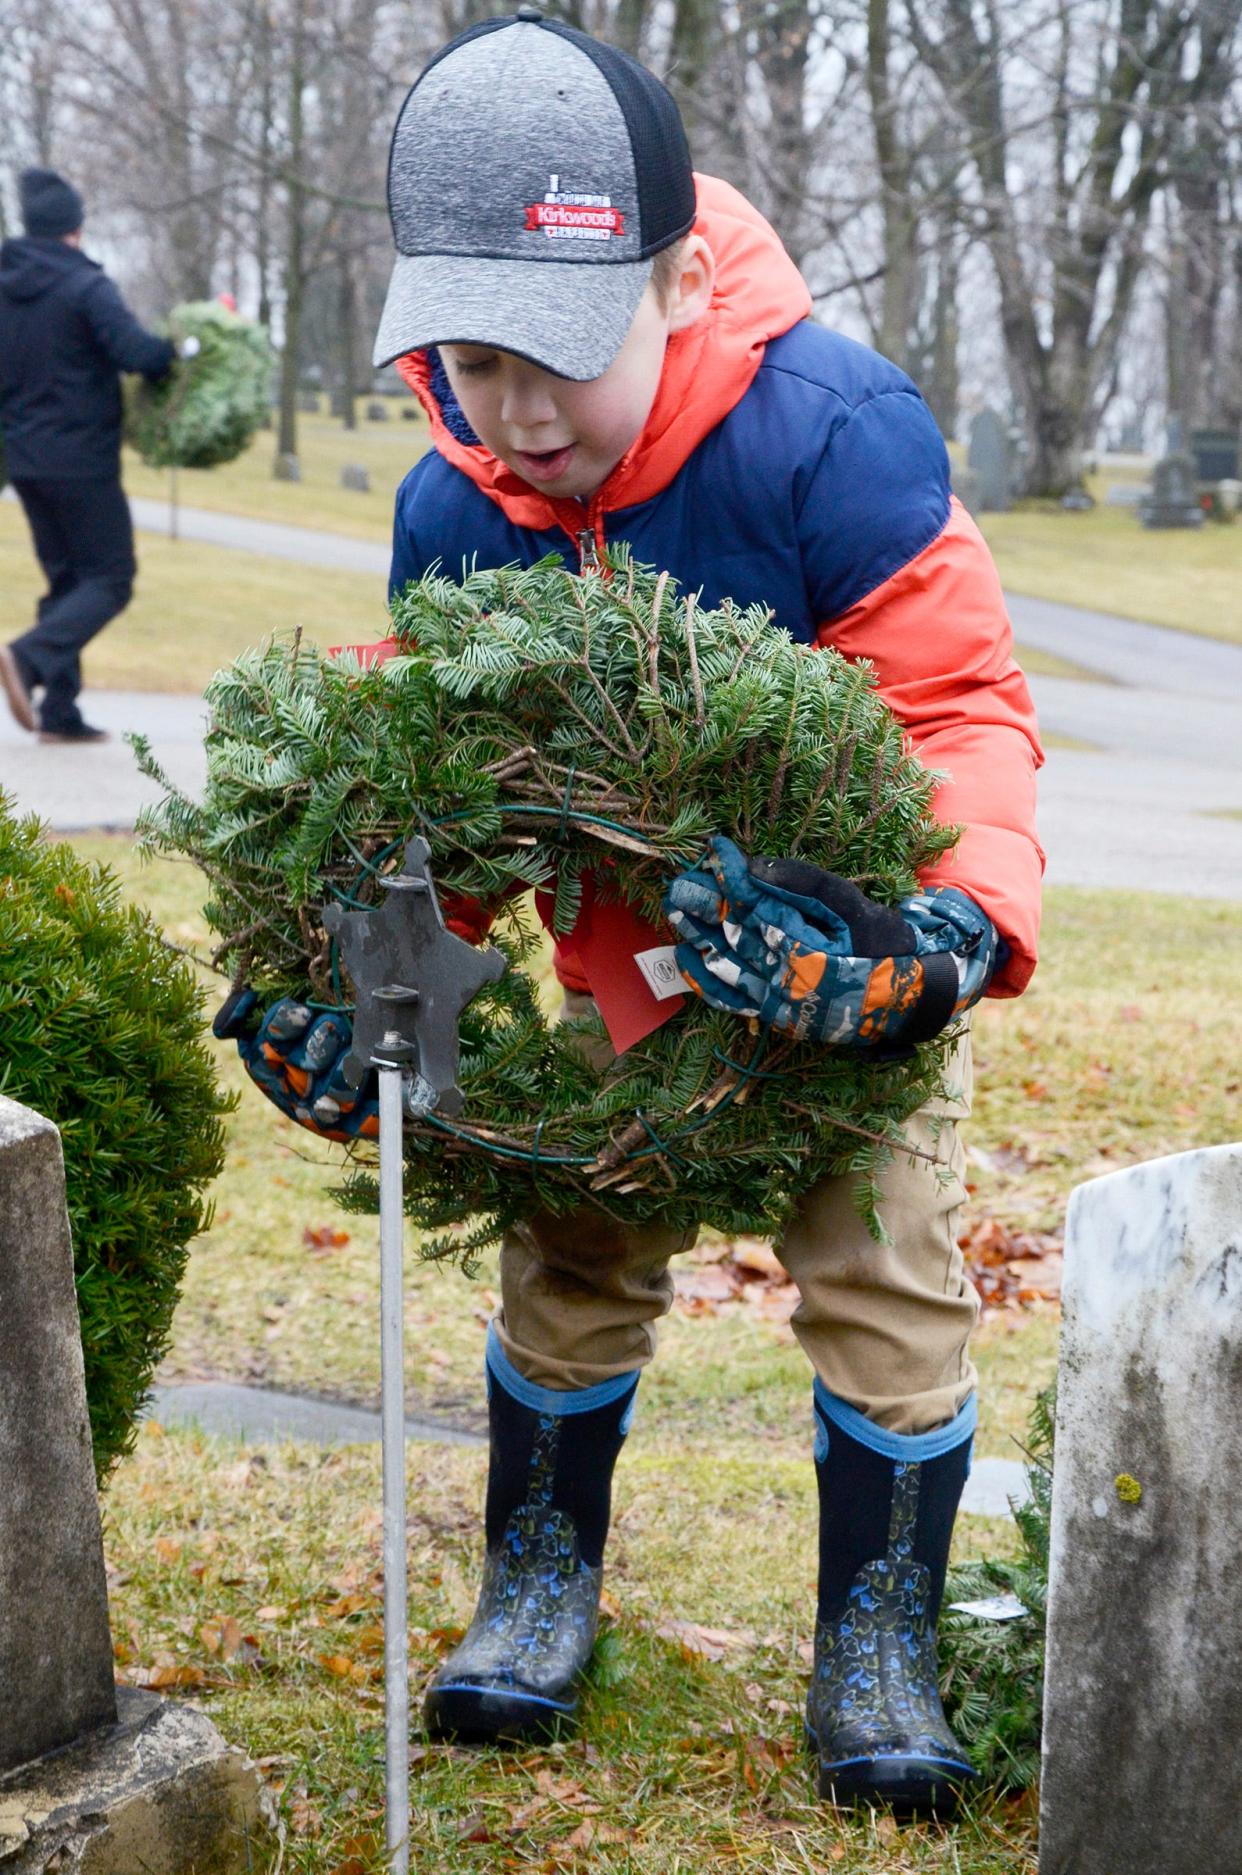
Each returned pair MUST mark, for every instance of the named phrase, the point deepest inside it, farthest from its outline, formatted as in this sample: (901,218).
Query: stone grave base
(160,1791)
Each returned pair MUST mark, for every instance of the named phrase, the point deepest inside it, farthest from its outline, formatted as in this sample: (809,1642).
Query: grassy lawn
(250,1578)
(1106,562)
(195,607)
(247,486)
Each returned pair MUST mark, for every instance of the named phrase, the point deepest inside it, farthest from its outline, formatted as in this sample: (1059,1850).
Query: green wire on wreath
(542,727)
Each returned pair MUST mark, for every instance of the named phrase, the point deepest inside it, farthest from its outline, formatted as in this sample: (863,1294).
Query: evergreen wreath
(207,408)
(541,726)
(101,1030)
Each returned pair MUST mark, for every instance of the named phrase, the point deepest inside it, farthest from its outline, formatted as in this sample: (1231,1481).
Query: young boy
(610,348)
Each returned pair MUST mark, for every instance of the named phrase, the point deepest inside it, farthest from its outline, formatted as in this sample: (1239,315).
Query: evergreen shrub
(101,1030)
(205,411)
(993,1671)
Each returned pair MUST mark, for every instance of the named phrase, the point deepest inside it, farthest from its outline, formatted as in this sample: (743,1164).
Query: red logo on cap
(559,215)
(575,214)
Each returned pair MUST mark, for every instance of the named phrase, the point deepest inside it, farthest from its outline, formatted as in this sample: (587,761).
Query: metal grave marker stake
(412,978)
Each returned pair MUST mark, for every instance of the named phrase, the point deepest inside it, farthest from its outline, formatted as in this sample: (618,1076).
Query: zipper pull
(588,558)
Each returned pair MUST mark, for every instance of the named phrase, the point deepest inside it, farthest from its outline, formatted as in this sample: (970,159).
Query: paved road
(261,1416)
(1155,801)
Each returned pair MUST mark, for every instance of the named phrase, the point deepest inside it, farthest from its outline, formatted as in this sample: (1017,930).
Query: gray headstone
(1124,494)
(377,412)
(56,1678)
(408,414)
(1173,498)
(1215,454)
(1143,1703)
(965,485)
(308,403)
(356,475)
(990,458)
(287,468)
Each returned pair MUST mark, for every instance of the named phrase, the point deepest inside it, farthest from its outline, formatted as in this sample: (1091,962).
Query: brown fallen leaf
(324,1237)
(168,1548)
(340,1665)
(161,1678)
(709,1643)
(474,1828)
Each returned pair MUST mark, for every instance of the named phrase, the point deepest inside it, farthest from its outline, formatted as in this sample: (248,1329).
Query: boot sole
(487,1714)
(910,1787)
(16,694)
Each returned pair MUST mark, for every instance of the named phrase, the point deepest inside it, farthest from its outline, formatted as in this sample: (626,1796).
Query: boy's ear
(692,290)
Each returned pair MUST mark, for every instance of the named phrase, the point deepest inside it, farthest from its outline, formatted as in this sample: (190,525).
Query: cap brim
(570,317)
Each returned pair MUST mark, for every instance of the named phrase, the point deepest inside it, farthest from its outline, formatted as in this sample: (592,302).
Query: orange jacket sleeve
(939,638)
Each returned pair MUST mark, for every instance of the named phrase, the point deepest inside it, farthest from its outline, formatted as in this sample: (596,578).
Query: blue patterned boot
(514,1674)
(887,1502)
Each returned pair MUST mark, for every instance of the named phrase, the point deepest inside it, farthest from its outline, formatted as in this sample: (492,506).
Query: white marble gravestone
(1142,1752)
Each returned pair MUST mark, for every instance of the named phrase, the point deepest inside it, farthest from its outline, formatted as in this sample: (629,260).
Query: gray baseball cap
(533,174)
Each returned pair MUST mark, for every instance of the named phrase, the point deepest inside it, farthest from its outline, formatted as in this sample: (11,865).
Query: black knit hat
(50,205)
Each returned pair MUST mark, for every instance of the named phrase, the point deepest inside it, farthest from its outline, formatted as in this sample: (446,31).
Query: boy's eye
(473,367)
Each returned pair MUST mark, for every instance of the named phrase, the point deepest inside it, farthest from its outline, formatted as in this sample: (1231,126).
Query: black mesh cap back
(662,163)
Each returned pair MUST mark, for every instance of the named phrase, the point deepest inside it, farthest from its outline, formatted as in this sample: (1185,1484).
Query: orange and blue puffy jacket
(786,465)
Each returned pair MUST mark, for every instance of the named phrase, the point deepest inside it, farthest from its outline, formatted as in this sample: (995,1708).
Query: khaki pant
(885,1326)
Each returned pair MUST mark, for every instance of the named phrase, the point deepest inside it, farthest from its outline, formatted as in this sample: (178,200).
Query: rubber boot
(514,1675)
(887,1502)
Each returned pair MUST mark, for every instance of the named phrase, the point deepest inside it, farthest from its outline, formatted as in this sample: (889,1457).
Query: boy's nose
(527,402)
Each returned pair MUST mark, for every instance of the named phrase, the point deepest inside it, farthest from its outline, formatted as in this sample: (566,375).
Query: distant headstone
(1124,494)
(56,1677)
(356,475)
(1078,501)
(990,458)
(308,403)
(287,468)
(1173,498)
(377,412)
(1143,1691)
(409,414)
(1215,454)
(1174,435)
(965,485)
(1229,495)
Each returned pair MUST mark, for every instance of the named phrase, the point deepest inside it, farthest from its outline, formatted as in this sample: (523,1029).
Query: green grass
(195,607)
(1106,562)
(248,487)
(686,1763)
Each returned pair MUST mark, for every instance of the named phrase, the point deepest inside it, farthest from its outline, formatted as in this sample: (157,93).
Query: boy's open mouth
(547,465)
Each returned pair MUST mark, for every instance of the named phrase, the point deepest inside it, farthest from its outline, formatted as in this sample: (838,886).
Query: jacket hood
(32,264)
(708,368)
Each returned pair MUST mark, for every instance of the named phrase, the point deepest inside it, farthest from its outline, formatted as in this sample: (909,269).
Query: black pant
(85,542)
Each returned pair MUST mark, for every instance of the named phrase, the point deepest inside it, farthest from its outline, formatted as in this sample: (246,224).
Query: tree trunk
(287,440)
(347,343)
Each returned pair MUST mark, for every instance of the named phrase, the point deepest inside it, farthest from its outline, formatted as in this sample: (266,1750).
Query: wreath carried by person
(568,733)
(209,406)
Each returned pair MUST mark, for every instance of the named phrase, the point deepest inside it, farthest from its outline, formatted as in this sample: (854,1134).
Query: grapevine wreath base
(539,727)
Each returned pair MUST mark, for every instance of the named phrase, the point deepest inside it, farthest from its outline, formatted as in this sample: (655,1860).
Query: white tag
(993,1608)
(659,967)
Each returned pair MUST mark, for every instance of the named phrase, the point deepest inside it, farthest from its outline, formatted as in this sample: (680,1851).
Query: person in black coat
(65,337)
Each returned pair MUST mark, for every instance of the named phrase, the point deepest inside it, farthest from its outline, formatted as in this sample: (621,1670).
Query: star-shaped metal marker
(412,978)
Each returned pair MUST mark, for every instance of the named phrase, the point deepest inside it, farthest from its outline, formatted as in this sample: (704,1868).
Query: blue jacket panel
(820,484)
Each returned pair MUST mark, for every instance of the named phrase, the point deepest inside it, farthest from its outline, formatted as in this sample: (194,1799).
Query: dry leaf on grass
(322,1239)
(1011,1268)
(704,1643)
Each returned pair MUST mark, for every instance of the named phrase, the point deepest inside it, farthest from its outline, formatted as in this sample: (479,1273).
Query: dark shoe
(16,690)
(874,1718)
(75,732)
(515,1673)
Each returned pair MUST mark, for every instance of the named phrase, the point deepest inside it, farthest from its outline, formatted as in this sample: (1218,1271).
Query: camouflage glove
(295,1057)
(812,957)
